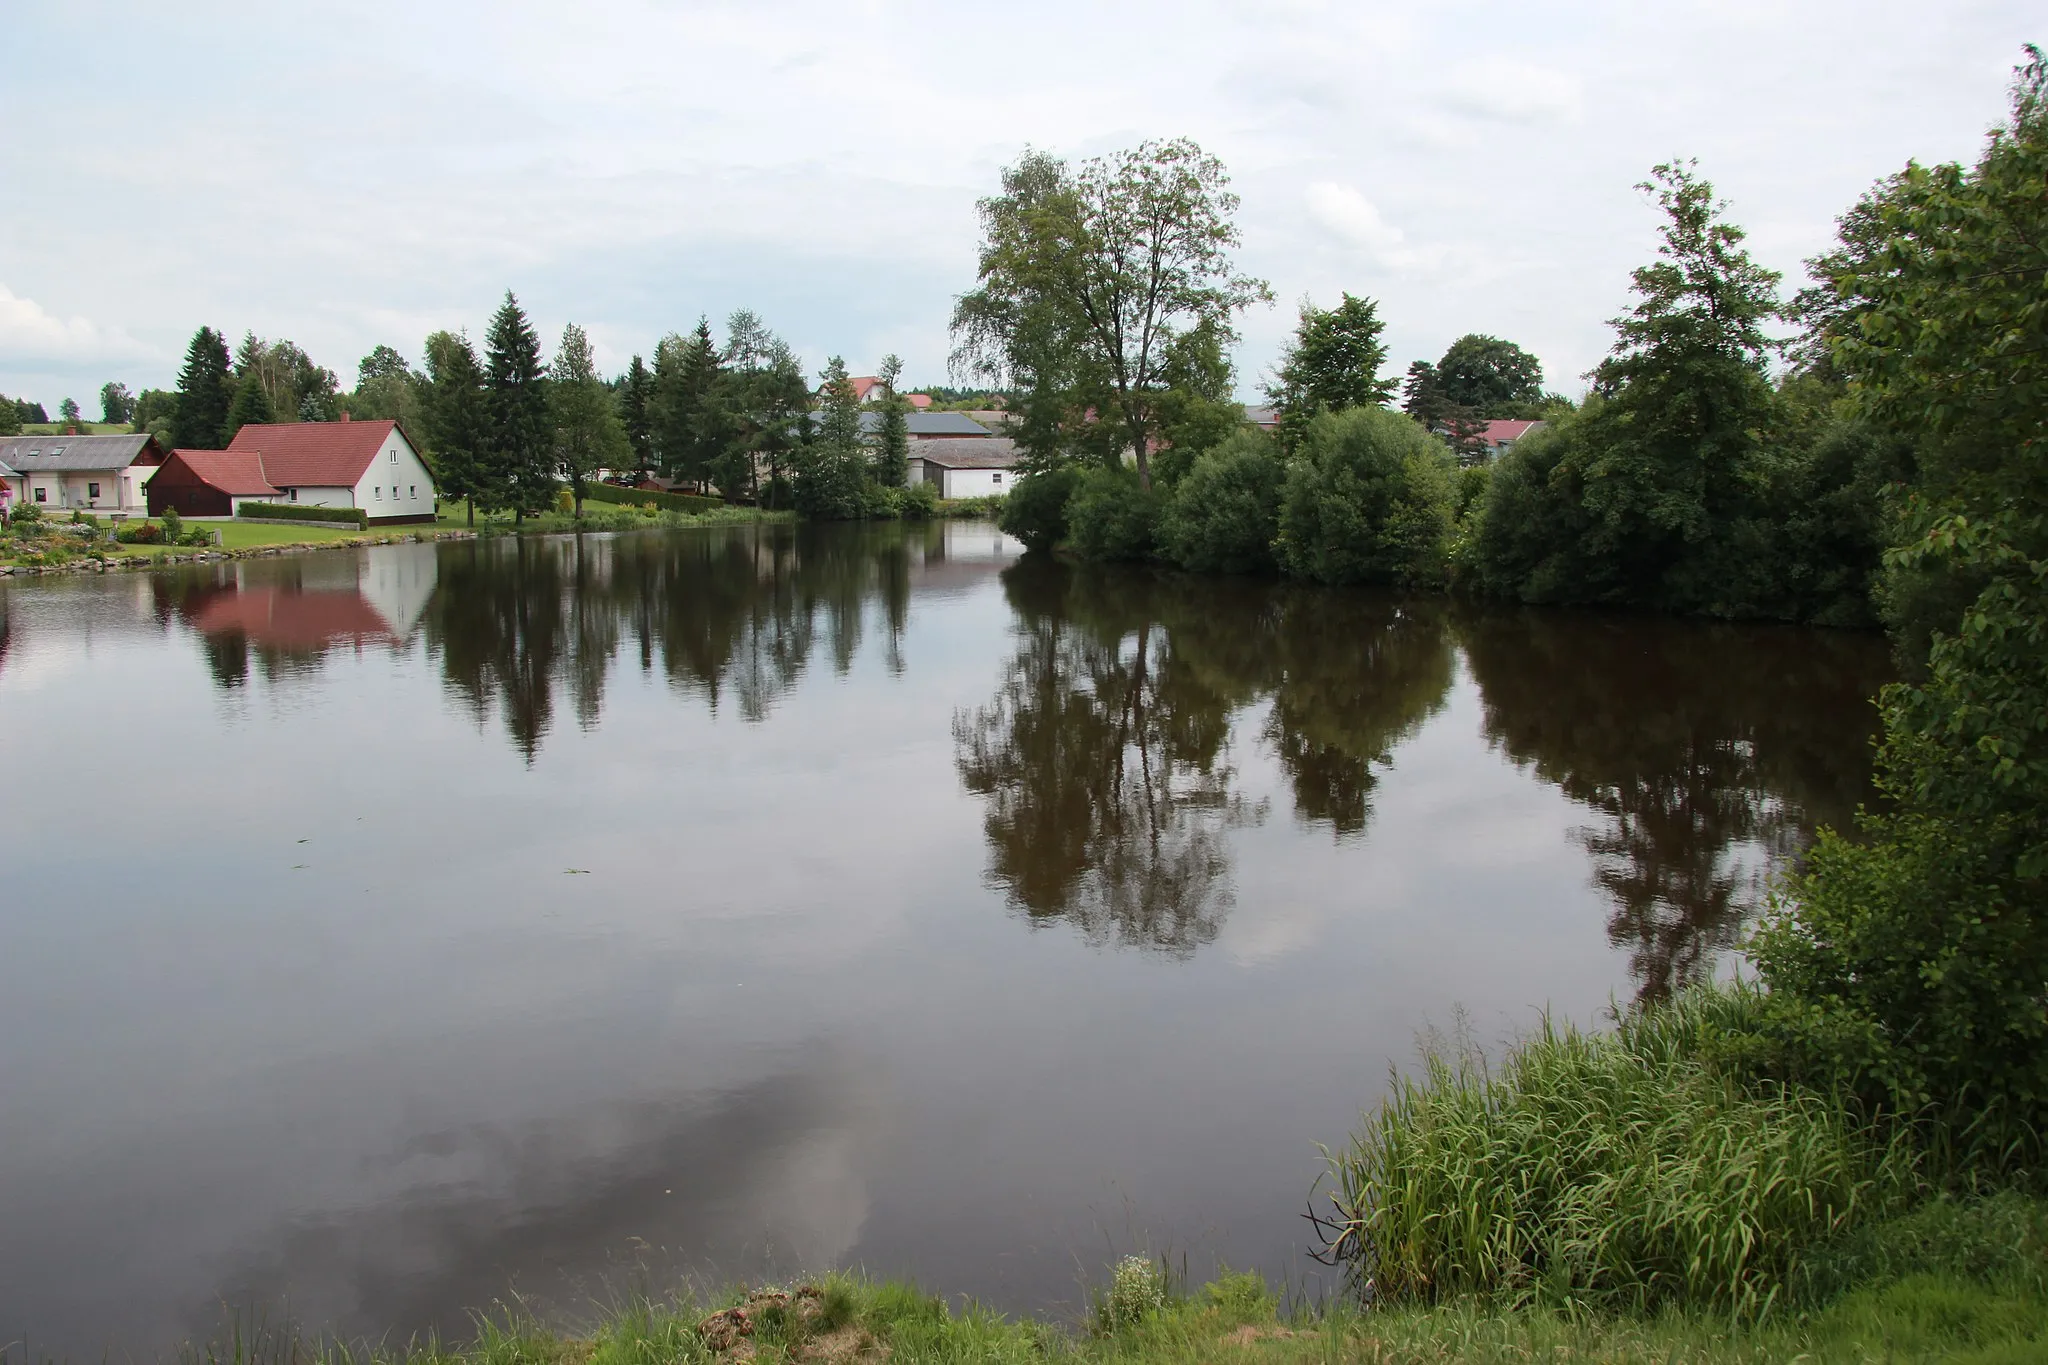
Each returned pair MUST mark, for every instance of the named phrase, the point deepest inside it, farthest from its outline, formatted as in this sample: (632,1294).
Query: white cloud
(1357,222)
(31,335)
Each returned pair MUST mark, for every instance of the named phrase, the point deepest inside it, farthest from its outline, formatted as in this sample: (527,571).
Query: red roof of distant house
(862,384)
(314,454)
(1504,431)
(918,400)
(238,473)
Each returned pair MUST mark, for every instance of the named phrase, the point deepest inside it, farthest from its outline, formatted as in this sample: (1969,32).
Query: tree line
(506,429)
(1885,465)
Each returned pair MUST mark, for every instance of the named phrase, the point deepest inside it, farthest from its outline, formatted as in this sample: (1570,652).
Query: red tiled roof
(314,454)
(1502,430)
(238,473)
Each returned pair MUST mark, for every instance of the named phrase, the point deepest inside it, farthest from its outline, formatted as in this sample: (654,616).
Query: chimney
(71,431)
(344,414)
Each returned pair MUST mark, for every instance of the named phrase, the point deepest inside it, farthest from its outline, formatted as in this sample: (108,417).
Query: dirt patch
(795,1314)
(850,1345)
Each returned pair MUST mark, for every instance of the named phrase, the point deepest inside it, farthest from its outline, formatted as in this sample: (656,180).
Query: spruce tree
(456,420)
(636,395)
(520,453)
(832,468)
(892,438)
(204,394)
(251,404)
(587,433)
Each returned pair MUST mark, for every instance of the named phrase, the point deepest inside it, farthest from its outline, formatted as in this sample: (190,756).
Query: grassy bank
(1956,1282)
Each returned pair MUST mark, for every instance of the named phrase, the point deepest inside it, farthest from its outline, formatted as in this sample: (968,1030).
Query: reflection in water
(1104,756)
(1710,752)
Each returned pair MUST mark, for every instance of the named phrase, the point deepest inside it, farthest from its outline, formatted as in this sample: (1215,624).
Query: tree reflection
(1709,752)
(1104,758)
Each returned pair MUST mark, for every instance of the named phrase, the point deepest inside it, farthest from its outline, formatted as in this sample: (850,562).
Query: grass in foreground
(1952,1283)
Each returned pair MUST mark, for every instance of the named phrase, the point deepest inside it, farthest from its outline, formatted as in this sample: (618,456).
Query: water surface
(386,931)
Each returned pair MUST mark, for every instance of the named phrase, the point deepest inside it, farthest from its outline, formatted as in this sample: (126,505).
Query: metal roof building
(77,454)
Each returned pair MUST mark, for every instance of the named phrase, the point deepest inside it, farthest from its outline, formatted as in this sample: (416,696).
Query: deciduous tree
(1332,364)
(588,435)
(1087,276)
(116,403)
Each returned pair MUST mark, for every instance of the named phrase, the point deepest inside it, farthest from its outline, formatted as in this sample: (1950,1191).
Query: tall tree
(204,393)
(383,362)
(759,402)
(297,389)
(520,453)
(1332,364)
(683,415)
(116,403)
(1489,375)
(636,395)
(67,411)
(10,417)
(833,468)
(892,434)
(457,420)
(1088,276)
(588,435)
(251,404)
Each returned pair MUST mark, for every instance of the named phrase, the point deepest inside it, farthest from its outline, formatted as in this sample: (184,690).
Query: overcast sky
(345,175)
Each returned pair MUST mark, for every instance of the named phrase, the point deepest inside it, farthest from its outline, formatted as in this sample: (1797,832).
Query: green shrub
(140,533)
(298,511)
(1369,498)
(174,526)
(87,519)
(1619,1171)
(988,507)
(1224,513)
(640,497)
(27,514)
(918,502)
(1111,517)
(1137,1291)
(1036,509)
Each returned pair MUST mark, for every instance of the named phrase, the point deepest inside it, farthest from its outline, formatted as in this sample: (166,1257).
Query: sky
(346,175)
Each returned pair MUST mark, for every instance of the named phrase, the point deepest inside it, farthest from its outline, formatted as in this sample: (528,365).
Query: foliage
(1036,509)
(683,418)
(116,403)
(1911,965)
(588,434)
(204,392)
(1223,516)
(892,435)
(153,412)
(174,526)
(1137,1291)
(1657,492)
(1113,516)
(760,402)
(10,417)
(1616,1171)
(1368,499)
(140,533)
(1088,278)
(457,419)
(518,452)
(636,399)
(296,389)
(1332,364)
(68,413)
(1488,375)
(251,405)
(832,470)
(299,511)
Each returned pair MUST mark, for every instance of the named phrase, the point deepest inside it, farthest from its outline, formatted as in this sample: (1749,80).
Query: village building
(209,483)
(1499,436)
(373,466)
(966,467)
(869,386)
(101,474)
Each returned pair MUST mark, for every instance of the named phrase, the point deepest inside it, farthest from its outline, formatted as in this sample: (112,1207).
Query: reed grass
(1613,1171)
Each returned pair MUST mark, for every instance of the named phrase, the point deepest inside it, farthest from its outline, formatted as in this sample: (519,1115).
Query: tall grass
(1616,1171)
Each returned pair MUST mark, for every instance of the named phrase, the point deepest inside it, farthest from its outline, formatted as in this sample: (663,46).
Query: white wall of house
(120,490)
(397,483)
(972,483)
(319,497)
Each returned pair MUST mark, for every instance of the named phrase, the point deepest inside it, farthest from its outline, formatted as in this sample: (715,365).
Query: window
(55,451)
(292,493)
(42,495)
(999,476)
(378,492)
(394,455)
(412,490)
(92,490)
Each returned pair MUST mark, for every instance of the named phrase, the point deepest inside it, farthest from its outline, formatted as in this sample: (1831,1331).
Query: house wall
(120,489)
(974,483)
(320,497)
(396,485)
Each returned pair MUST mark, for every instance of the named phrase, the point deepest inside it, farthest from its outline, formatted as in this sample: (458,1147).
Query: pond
(386,932)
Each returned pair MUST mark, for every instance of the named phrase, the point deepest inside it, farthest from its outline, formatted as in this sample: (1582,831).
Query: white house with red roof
(370,465)
(1499,435)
